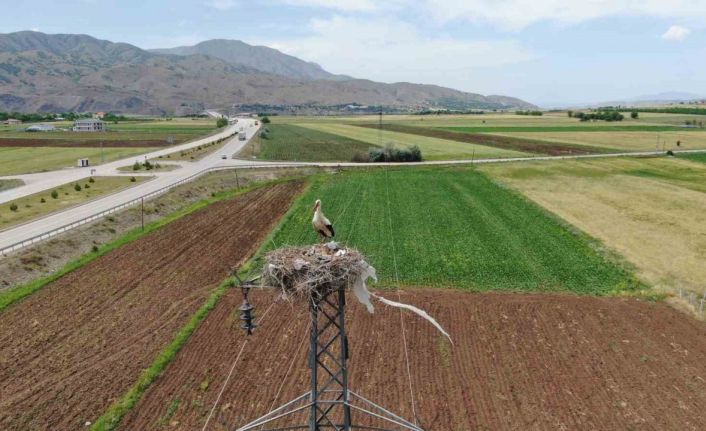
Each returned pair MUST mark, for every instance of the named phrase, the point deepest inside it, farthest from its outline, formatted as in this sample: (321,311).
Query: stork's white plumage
(321,224)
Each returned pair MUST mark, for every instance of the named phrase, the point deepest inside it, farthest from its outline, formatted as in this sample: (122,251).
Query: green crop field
(696,157)
(22,160)
(452,227)
(290,142)
(432,148)
(652,211)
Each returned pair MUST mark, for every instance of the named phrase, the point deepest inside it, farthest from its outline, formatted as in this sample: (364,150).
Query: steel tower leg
(330,401)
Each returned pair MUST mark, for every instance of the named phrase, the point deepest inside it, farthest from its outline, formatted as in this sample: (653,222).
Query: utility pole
(142,212)
(330,402)
(380,130)
(237,183)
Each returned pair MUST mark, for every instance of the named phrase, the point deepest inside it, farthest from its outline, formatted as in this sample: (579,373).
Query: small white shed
(82,163)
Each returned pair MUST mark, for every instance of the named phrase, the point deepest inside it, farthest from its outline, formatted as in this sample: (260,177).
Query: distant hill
(66,72)
(665,98)
(262,58)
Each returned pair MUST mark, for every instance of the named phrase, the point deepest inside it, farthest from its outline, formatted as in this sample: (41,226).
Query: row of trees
(534,113)
(673,110)
(598,115)
(35,117)
(38,116)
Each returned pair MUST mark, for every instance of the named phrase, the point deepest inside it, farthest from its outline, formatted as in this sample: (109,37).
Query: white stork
(321,224)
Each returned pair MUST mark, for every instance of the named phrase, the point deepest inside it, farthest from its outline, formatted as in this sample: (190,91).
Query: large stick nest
(312,271)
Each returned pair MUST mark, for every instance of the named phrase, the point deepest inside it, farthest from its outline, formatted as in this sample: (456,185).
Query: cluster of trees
(221,122)
(147,165)
(605,115)
(534,113)
(35,117)
(450,112)
(39,116)
(115,118)
(391,154)
(673,110)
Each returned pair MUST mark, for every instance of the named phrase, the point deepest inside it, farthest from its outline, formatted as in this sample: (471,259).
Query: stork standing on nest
(322,225)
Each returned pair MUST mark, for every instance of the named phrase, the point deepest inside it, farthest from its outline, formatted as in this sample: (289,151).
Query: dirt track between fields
(520,362)
(68,351)
(94,143)
(504,142)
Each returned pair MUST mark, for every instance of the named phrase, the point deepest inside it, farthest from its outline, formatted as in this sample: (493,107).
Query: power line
(399,296)
(230,373)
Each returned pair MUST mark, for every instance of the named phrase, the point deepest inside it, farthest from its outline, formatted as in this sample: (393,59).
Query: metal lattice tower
(329,404)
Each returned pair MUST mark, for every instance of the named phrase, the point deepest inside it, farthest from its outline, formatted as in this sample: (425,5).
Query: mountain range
(68,72)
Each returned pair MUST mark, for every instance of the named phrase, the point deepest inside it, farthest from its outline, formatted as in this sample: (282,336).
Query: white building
(89,125)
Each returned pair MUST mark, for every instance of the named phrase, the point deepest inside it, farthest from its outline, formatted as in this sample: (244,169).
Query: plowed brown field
(520,362)
(68,351)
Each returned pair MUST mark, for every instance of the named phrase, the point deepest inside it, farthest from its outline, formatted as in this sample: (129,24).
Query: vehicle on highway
(224,157)
(242,136)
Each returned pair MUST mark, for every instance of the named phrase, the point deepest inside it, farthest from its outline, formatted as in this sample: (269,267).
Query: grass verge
(63,197)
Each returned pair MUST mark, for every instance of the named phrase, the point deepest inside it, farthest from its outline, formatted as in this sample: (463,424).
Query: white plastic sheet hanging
(360,289)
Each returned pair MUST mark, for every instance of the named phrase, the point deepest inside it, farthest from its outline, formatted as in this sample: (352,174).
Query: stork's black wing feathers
(330,228)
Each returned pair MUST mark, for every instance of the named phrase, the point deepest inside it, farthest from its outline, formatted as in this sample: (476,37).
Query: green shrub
(55,194)
(133,179)
(42,200)
(13,207)
(77,187)
(392,154)
(86,186)
(265,120)
(221,122)
(136,166)
(91,180)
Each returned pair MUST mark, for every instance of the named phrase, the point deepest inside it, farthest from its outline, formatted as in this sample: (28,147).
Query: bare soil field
(498,141)
(96,143)
(69,350)
(519,362)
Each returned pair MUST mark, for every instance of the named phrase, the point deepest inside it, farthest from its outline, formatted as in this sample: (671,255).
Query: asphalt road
(38,182)
(47,180)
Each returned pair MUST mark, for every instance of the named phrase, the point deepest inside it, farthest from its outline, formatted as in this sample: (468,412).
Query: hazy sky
(545,51)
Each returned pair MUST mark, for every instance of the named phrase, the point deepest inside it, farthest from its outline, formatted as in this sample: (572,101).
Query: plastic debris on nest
(315,271)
